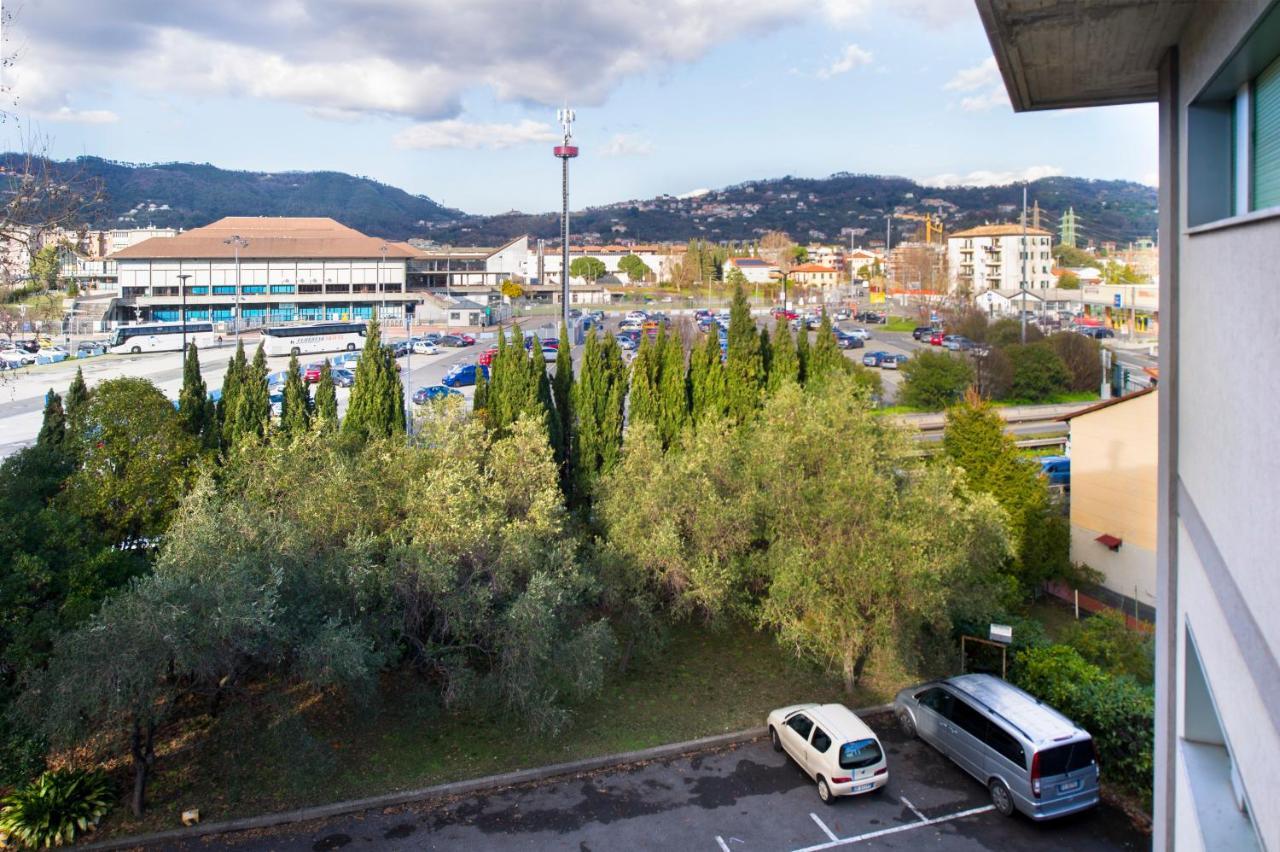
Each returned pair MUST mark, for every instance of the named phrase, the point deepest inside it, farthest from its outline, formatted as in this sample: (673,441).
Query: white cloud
(81,116)
(626,145)
(935,14)
(991,178)
(982,75)
(990,99)
(410,58)
(456,133)
(852,57)
(1151,179)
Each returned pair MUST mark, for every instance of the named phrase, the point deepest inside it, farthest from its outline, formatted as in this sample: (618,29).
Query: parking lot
(746,798)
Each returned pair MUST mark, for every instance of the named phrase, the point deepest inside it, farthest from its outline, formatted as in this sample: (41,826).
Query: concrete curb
(453,788)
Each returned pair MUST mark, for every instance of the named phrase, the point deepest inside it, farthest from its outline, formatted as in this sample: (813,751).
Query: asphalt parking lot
(746,798)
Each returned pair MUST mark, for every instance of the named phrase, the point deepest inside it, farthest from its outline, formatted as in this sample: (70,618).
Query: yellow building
(815,274)
(1113,493)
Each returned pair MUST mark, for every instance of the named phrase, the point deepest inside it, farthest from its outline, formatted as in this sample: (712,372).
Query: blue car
(433,392)
(1057,469)
(873,359)
(462,375)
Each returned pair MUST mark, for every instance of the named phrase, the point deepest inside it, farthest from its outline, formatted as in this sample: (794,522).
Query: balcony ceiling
(1056,54)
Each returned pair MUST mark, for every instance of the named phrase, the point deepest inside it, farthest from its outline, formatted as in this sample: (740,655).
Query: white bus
(317,337)
(161,337)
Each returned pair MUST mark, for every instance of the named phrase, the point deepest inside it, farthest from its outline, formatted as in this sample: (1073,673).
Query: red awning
(1109,540)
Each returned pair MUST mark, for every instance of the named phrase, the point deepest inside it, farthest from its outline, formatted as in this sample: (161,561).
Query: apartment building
(1214,70)
(1000,257)
(815,275)
(755,270)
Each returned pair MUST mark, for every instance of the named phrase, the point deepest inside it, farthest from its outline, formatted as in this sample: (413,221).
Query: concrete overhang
(1059,54)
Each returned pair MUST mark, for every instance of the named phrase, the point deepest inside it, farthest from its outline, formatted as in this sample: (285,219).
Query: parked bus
(161,337)
(317,337)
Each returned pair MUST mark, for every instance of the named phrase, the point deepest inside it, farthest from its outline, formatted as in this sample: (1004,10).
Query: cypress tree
(480,402)
(673,391)
(744,365)
(253,402)
(376,408)
(77,398)
(784,366)
(706,381)
(193,398)
(802,354)
(643,397)
(766,357)
(295,411)
(326,414)
(53,429)
(598,399)
(237,368)
(545,403)
(562,398)
(825,360)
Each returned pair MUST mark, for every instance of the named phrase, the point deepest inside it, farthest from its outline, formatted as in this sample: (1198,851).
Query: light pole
(1023,312)
(448,269)
(565,152)
(382,289)
(237,242)
(182,287)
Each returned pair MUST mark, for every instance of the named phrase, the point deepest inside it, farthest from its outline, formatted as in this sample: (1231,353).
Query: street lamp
(381,262)
(448,268)
(182,286)
(237,242)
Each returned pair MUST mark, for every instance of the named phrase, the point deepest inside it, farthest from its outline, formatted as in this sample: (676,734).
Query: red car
(311,374)
(486,357)
(935,339)
(779,313)
(467,340)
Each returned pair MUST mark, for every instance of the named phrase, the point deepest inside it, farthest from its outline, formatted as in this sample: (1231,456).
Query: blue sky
(457,101)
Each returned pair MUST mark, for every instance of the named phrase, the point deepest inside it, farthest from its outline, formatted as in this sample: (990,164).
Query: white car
(860,333)
(833,745)
(638,316)
(422,347)
(17,357)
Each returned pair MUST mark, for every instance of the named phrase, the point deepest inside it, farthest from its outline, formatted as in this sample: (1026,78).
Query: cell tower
(565,152)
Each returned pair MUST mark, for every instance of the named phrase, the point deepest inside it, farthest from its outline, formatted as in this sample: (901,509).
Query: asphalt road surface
(741,799)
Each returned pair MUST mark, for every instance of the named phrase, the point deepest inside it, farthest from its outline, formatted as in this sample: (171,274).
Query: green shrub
(1107,641)
(1118,712)
(934,380)
(55,808)
(1038,372)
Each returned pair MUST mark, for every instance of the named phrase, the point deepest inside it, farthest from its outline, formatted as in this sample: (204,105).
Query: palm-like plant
(55,808)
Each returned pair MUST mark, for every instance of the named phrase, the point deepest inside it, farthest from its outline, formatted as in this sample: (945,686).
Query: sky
(457,100)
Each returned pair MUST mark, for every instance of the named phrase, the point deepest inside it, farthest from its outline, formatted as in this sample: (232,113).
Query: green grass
(900,324)
(1057,617)
(1057,399)
(284,749)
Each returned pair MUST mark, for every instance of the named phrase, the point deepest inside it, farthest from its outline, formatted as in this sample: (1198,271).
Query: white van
(833,745)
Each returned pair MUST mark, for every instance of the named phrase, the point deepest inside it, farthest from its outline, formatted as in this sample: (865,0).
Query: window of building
(1233,132)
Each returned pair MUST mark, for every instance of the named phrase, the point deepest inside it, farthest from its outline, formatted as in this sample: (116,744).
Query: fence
(1097,600)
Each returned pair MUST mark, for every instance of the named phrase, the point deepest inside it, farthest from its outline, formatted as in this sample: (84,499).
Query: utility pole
(237,242)
(182,286)
(565,152)
(382,261)
(1022,314)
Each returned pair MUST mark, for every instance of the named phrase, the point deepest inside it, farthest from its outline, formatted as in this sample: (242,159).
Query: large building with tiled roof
(1000,257)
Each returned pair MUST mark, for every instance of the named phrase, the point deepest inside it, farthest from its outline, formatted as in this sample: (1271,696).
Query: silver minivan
(1030,757)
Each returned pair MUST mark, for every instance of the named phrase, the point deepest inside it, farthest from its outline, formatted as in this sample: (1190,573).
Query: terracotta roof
(268,237)
(1107,403)
(746,261)
(812,267)
(1006,230)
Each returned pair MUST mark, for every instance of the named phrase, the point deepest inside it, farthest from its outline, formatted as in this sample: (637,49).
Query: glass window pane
(1266,138)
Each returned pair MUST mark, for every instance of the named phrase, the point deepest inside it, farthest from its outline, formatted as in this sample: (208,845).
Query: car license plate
(862,788)
(1068,786)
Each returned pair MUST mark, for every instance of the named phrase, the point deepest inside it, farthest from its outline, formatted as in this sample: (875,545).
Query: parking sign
(1116,299)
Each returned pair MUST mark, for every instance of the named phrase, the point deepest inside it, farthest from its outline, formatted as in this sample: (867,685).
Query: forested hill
(832,209)
(187,195)
(825,209)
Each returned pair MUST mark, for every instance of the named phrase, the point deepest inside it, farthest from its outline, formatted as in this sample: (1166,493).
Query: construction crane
(932,224)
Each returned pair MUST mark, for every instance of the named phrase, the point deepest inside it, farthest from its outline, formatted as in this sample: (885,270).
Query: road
(22,391)
(746,798)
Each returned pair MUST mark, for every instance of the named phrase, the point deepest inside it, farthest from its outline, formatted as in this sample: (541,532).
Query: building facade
(1214,70)
(815,275)
(755,270)
(1000,257)
(1113,494)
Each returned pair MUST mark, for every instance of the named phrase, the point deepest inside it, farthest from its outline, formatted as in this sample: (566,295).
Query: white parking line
(847,841)
(822,825)
(724,847)
(905,801)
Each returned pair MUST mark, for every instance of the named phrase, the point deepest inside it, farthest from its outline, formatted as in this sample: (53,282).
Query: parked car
(779,313)
(631,325)
(833,746)
(575,313)
(467,340)
(549,354)
(485,358)
(936,338)
(90,349)
(311,372)
(703,313)
(1029,756)
(461,375)
(343,378)
(893,362)
(1097,332)
(871,317)
(627,343)
(17,357)
(843,314)
(346,361)
(398,349)
(453,341)
(813,321)
(873,359)
(957,343)
(860,333)
(51,355)
(276,398)
(598,316)
(636,316)
(433,392)
(849,341)
(922,332)
(1057,469)
(423,347)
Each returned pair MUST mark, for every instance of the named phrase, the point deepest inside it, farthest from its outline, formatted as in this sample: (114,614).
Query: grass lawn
(1058,399)
(283,749)
(900,324)
(1056,616)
